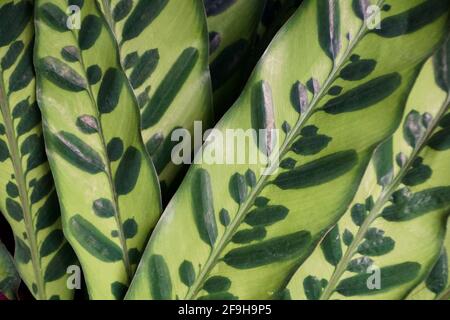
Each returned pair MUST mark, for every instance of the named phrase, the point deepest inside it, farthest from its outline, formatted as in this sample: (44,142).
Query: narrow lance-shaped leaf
(324,156)
(393,232)
(27,196)
(166,66)
(92,133)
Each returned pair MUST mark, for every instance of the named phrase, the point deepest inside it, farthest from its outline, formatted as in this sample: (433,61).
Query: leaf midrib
(21,184)
(380,203)
(213,259)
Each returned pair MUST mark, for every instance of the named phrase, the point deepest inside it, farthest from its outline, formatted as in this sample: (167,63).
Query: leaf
(394,229)
(167,77)
(333,175)
(92,130)
(28,200)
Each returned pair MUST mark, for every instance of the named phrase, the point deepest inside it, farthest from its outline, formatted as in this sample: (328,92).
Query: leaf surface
(392,234)
(28,197)
(347,137)
(163,48)
(109,189)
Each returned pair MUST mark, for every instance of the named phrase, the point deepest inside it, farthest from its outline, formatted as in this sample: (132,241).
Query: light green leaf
(27,194)
(163,47)
(352,132)
(397,219)
(109,190)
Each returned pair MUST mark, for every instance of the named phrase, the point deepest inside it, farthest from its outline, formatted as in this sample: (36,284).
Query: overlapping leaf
(164,49)
(9,278)
(232,26)
(28,197)
(249,222)
(107,184)
(392,234)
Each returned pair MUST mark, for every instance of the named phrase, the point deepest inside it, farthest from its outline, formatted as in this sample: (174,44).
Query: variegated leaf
(392,234)
(163,49)
(331,94)
(107,184)
(28,197)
